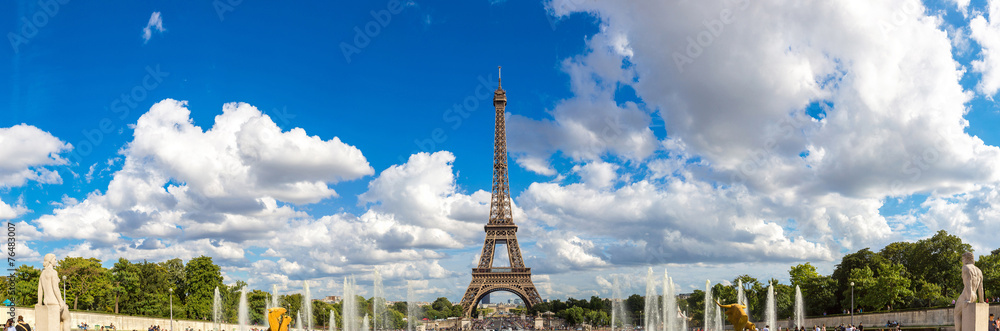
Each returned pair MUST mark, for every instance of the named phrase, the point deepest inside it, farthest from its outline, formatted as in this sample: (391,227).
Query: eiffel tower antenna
(500,230)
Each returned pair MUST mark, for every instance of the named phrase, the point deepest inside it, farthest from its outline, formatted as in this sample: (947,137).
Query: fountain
(652,309)
(718,318)
(274,296)
(307,307)
(770,312)
(242,312)
(741,297)
(364,325)
(298,320)
(412,311)
(669,304)
(379,317)
(216,309)
(800,309)
(710,308)
(619,317)
(349,311)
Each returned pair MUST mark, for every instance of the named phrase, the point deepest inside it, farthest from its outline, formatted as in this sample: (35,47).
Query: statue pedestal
(47,317)
(974,318)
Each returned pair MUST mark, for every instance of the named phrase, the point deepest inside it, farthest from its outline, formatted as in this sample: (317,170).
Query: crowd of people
(501,323)
(85,326)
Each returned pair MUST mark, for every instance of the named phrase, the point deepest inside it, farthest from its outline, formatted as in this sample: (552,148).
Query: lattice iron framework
(500,230)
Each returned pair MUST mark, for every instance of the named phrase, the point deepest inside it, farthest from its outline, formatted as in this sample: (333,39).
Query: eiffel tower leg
(469,299)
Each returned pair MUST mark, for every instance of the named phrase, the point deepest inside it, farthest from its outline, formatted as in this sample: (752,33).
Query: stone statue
(969,303)
(51,311)
(737,316)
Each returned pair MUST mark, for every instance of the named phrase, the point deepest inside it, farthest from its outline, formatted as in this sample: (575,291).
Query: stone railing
(124,322)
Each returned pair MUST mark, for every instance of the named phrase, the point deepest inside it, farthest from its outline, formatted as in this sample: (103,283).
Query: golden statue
(737,316)
(277,320)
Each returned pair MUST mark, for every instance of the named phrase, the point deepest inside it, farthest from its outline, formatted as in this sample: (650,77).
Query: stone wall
(122,322)
(929,317)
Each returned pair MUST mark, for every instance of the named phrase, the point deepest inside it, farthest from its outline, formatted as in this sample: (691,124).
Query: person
(21,325)
(993,324)
(765,327)
(861,326)
(10,325)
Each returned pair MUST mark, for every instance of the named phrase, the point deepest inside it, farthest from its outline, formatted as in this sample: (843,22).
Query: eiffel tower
(501,229)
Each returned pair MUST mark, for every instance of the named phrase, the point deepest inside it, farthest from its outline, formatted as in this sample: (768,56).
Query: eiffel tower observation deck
(500,230)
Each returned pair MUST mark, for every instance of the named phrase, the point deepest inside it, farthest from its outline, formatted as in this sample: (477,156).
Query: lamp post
(171,309)
(852,303)
(64,287)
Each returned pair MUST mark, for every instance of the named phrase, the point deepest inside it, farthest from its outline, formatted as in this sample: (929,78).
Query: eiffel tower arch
(501,229)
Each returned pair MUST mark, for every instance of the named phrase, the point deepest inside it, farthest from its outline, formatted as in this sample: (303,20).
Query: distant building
(684,296)
(331,299)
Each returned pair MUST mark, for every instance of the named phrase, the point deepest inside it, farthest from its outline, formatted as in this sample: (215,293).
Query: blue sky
(645,134)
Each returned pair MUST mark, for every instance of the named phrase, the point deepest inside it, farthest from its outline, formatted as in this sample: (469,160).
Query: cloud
(758,95)
(155,23)
(786,129)
(590,125)
(986,32)
(242,184)
(25,153)
(685,221)
(230,182)
(422,192)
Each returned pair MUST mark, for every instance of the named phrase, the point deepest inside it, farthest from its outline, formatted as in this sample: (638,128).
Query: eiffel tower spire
(500,212)
(500,230)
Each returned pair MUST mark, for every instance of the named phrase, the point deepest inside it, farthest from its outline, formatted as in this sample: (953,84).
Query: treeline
(147,289)
(597,311)
(902,275)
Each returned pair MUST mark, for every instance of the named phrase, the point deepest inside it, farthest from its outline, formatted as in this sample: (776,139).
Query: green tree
(990,265)
(293,303)
(321,314)
(819,290)
(256,303)
(202,277)
(433,314)
(573,316)
(850,262)
(83,278)
(888,288)
(441,304)
(176,277)
(26,285)
(928,295)
(399,306)
(635,304)
(125,287)
(695,302)
(937,260)
(152,299)
(598,317)
(397,319)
